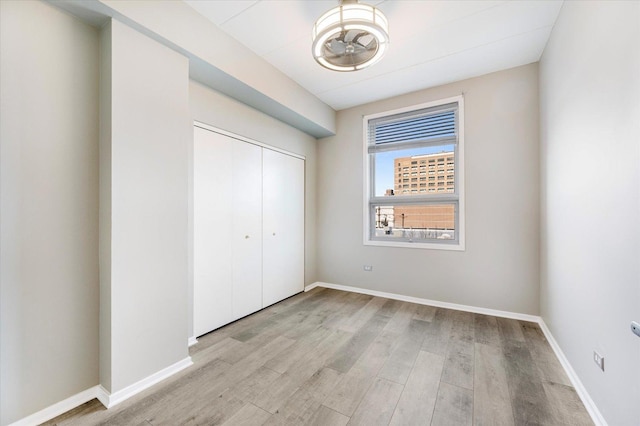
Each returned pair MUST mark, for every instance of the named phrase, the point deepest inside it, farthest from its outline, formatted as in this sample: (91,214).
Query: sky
(384,164)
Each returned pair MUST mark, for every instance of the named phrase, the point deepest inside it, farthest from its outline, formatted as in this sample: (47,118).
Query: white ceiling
(432,42)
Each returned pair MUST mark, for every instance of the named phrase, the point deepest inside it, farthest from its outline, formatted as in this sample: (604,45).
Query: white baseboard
(311,286)
(192,341)
(420,301)
(110,399)
(591,407)
(58,408)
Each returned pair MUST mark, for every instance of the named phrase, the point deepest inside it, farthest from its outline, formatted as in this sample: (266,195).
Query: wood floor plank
(436,338)
(376,355)
(83,414)
(317,317)
(325,416)
(359,342)
(548,365)
(491,400)
(301,297)
(454,406)
(528,398)
(319,356)
(257,342)
(459,364)
(257,329)
(486,330)
(378,404)
(400,362)
(249,415)
(152,403)
(207,340)
(348,306)
(425,312)
(254,385)
(288,383)
(401,319)
(298,350)
(418,398)
(303,404)
(287,318)
(250,364)
(566,406)
(200,398)
(390,307)
(510,330)
(196,410)
(237,326)
(462,326)
(355,384)
(218,350)
(350,391)
(363,315)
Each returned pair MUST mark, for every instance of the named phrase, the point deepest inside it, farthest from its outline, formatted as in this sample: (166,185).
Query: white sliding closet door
(283,226)
(248,223)
(247,228)
(212,214)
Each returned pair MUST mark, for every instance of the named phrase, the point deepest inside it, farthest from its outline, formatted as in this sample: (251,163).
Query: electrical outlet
(599,360)
(368,268)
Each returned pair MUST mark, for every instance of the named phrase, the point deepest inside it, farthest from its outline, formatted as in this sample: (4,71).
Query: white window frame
(459,244)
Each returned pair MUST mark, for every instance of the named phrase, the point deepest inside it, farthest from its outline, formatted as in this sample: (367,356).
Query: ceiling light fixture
(350,37)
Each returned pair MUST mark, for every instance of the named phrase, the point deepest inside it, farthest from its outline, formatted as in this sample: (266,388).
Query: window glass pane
(393,168)
(415,222)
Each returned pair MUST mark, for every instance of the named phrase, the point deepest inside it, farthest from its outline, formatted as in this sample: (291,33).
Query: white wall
(218,110)
(499,269)
(49,207)
(148,145)
(590,153)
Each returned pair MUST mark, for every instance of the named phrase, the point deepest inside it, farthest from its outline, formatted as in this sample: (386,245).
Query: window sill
(428,246)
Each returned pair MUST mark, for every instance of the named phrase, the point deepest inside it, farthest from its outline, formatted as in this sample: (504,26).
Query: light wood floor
(328,357)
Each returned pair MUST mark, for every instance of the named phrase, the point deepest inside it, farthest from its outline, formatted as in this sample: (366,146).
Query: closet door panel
(212,209)
(283,226)
(247,229)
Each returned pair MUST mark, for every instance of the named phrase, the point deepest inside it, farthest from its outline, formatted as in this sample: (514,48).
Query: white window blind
(428,126)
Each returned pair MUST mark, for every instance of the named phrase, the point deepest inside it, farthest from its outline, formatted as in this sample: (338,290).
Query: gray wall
(150,135)
(590,153)
(49,207)
(499,269)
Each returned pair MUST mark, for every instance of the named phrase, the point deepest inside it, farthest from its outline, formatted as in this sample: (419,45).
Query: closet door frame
(248,140)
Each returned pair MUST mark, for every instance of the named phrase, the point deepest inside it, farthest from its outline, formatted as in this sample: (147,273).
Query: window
(430,134)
